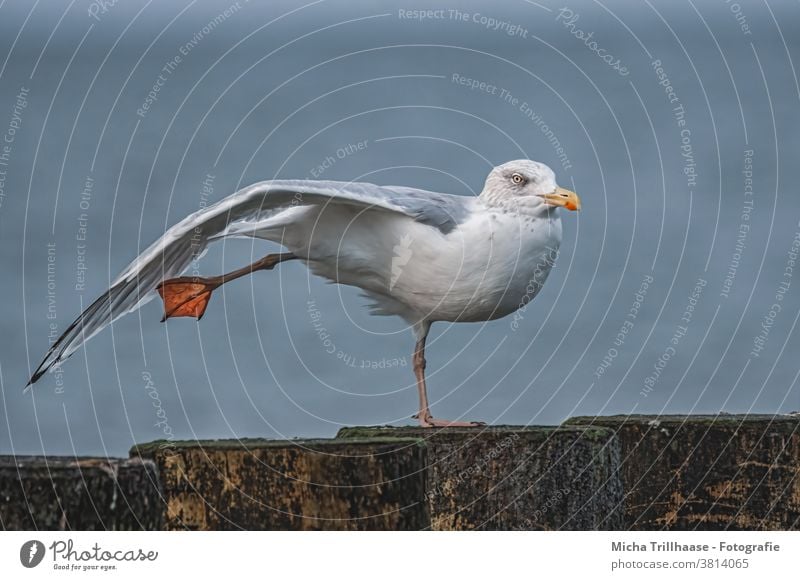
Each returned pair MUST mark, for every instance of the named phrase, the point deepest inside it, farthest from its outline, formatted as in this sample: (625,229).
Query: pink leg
(189,295)
(424,415)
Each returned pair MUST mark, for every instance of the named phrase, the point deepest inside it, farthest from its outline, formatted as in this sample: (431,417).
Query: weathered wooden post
(370,484)
(63,493)
(517,478)
(718,472)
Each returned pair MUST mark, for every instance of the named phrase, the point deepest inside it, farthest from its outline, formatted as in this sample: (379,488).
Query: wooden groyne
(737,472)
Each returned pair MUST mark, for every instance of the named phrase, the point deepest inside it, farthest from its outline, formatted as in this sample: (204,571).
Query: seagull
(420,255)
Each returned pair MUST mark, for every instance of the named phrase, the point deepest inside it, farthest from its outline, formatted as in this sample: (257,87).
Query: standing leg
(189,295)
(424,416)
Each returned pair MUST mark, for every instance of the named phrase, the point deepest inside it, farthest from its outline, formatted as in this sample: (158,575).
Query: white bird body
(417,272)
(421,255)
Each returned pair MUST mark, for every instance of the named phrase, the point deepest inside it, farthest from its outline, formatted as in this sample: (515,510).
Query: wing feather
(188,239)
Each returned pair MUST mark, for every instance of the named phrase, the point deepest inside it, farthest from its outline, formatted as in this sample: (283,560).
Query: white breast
(487,268)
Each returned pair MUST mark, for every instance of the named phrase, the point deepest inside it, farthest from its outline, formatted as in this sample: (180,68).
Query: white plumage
(420,255)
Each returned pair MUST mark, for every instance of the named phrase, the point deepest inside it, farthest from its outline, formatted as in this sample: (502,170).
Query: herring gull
(417,254)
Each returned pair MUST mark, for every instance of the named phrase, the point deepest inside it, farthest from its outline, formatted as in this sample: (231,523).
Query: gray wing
(188,239)
(439,210)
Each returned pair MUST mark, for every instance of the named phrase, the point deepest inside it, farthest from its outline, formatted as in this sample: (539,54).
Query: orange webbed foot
(186,296)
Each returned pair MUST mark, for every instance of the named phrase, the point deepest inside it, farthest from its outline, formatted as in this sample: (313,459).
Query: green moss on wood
(163,445)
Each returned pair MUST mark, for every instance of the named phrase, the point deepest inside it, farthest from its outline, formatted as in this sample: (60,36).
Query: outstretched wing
(187,240)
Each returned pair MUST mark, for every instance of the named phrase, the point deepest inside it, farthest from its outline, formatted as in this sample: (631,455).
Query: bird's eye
(517,178)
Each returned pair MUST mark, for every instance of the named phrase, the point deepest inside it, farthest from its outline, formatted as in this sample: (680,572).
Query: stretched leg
(189,295)
(424,415)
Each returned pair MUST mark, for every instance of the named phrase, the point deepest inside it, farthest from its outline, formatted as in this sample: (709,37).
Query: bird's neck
(521,205)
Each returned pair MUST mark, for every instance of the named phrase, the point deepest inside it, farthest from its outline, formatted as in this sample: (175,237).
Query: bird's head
(531,180)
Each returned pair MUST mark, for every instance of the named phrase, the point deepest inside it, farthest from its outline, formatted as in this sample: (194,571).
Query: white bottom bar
(371,555)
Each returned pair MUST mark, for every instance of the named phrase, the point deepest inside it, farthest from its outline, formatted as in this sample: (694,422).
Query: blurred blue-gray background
(677,287)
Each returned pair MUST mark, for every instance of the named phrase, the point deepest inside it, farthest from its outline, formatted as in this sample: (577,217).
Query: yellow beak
(563,198)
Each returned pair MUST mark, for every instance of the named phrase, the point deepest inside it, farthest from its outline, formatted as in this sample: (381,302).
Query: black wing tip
(38,374)
(31,381)
(41,371)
